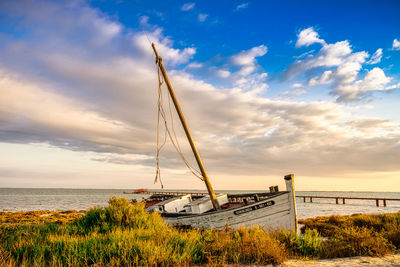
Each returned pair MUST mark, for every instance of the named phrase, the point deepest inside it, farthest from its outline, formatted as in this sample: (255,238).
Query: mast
(210,190)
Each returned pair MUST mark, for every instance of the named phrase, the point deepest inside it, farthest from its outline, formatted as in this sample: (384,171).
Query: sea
(27,199)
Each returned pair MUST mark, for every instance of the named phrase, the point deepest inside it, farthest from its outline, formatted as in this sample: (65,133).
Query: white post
(289,179)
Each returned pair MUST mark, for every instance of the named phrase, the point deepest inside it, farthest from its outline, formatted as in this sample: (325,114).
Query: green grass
(357,235)
(124,234)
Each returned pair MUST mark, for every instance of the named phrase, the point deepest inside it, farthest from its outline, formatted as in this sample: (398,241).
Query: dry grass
(124,234)
(357,235)
(40,216)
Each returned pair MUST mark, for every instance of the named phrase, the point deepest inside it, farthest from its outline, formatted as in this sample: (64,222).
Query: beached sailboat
(274,209)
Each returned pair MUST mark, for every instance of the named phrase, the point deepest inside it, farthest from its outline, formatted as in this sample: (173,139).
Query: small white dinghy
(272,210)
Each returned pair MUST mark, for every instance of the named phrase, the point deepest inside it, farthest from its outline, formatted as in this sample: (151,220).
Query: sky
(268,88)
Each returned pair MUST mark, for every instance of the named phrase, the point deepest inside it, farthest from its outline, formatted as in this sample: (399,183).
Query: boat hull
(271,213)
(275,212)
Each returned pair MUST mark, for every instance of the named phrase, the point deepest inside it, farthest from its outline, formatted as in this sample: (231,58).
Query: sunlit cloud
(195,65)
(340,68)
(376,57)
(164,46)
(396,44)
(91,87)
(223,73)
(308,37)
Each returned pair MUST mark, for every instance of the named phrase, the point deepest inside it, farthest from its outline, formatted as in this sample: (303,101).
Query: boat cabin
(204,204)
(175,204)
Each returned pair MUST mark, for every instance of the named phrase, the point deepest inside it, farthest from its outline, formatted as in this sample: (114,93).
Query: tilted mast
(210,190)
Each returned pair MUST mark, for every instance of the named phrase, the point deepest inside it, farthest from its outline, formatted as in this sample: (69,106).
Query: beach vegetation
(124,234)
(308,245)
(357,235)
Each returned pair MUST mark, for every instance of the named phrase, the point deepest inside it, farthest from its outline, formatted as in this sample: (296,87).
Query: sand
(390,260)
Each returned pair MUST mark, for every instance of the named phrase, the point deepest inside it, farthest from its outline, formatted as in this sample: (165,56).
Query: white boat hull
(277,212)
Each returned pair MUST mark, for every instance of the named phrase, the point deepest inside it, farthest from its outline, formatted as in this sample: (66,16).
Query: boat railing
(233,198)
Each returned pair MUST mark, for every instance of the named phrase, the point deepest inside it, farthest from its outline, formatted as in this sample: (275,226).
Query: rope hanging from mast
(204,177)
(174,140)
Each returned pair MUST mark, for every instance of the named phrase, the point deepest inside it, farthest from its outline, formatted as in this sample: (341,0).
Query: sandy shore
(390,260)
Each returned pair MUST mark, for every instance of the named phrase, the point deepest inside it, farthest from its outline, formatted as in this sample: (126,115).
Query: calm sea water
(25,199)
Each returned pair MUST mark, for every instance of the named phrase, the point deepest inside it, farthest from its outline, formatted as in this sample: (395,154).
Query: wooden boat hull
(276,212)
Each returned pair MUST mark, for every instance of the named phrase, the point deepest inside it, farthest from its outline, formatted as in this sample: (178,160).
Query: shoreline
(391,260)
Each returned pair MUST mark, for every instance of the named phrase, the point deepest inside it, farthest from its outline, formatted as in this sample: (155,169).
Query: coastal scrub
(124,234)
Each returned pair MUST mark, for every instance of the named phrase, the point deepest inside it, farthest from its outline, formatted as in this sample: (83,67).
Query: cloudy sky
(268,88)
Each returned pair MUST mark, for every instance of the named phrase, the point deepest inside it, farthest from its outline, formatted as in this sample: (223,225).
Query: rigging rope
(174,139)
(159,106)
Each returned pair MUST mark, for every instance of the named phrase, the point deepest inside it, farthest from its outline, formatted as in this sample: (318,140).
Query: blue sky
(366,24)
(268,88)
(230,27)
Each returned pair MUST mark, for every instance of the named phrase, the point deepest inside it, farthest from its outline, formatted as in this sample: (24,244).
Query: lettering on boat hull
(255,207)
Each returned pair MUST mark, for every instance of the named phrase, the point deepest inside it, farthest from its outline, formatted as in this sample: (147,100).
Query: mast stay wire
(159,147)
(176,145)
(173,138)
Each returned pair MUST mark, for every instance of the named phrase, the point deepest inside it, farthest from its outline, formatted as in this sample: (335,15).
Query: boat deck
(235,200)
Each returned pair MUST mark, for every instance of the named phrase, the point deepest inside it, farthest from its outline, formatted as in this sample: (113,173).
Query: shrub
(354,241)
(324,228)
(307,245)
(368,221)
(119,213)
(124,234)
(242,246)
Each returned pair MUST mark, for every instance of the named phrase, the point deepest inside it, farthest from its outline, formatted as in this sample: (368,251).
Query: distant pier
(343,199)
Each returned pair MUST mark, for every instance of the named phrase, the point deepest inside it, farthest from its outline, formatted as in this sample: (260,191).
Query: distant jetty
(384,200)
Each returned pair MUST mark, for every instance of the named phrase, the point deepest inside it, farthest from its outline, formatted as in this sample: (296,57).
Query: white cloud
(308,37)
(299,89)
(27,104)
(246,58)
(242,6)
(304,54)
(325,78)
(246,78)
(297,85)
(202,17)
(394,86)
(339,66)
(246,70)
(223,73)
(195,65)
(68,18)
(376,57)
(163,46)
(107,30)
(144,21)
(330,55)
(396,44)
(187,6)
(252,84)
(375,80)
